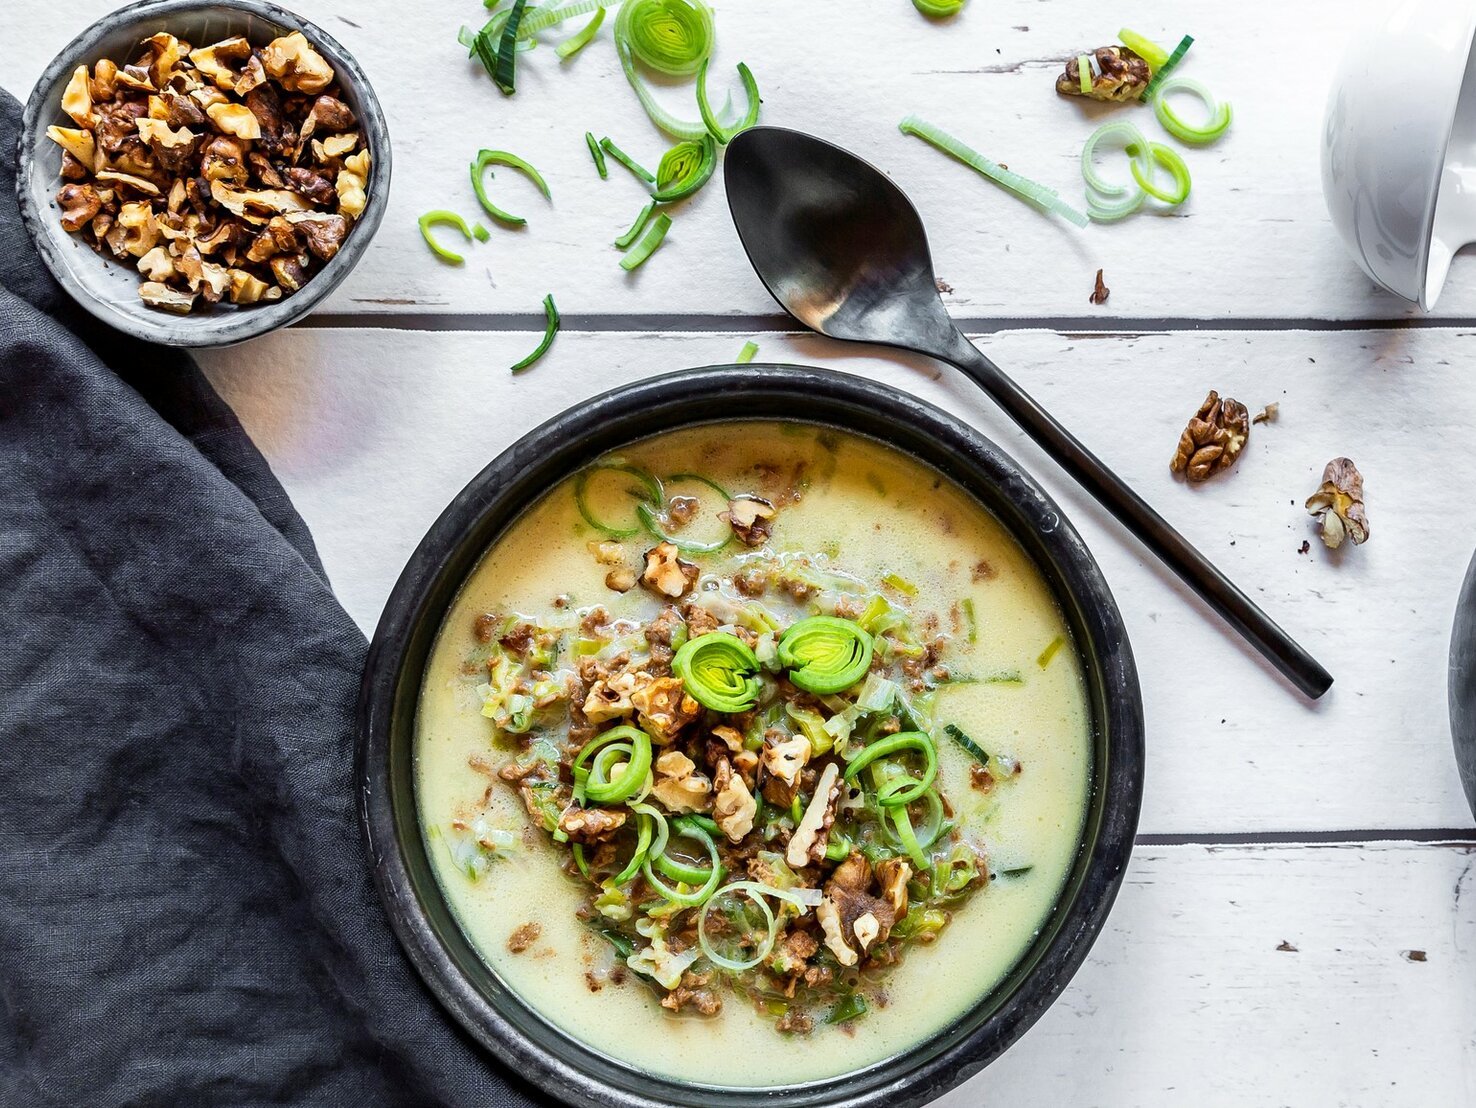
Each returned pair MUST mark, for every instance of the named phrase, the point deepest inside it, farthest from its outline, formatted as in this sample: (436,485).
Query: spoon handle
(1152,530)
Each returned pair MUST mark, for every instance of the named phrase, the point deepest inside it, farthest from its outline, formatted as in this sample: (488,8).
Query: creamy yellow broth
(874,511)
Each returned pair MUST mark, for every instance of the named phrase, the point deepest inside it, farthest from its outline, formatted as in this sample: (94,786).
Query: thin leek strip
(592,781)
(902,825)
(676,128)
(684,169)
(648,489)
(1050,651)
(1144,47)
(652,523)
(1219,114)
(624,241)
(899,584)
(597,154)
(582,38)
(725,135)
(653,238)
(1168,66)
(747,354)
(1170,160)
(1111,213)
(1133,141)
(713,874)
(719,671)
(644,825)
(550,329)
(958,735)
(479,166)
(971,620)
(550,17)
(825,654)
(898,744)
(626,160)
(480,233)
(1084,74)
(442,218)
(1028,190)
(803,899)
(673,37)
(939,9)
(504,72)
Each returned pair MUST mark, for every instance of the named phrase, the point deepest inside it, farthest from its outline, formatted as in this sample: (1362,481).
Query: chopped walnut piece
(1268,414)
(1120,75)
(351,182)
(808,842)
(733,806)
(830,924)
(296,66)
(77,99)
(1338,504)
(751,517)
(158,295)
(235,119)
(622,579)
(1213,438)
(863,917)
(78,143)
(664,707)
(524,937)
(591,825)
(1100,292)
(667,574)
(892,876)
(323,232)
(609,697)
(678,784)
(79,204)
(784,757)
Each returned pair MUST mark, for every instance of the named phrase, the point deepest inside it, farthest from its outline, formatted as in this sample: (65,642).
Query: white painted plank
(373,432)
(1187,999)
(1253,241)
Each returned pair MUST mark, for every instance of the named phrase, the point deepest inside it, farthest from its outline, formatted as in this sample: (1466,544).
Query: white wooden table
(1299,922)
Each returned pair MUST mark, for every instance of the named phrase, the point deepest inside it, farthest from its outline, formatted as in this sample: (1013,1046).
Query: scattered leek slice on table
(1084,73)
(624,241)
(626,160)
(1031,191)
(653,238)
(746,355)
(597,153)
(1219,114)
(1144,47)
(442,218)
(581,38)
(550,329)
(504,70)
(671,37)
(684,169)
(725,135)
(1170,160)
(1162,72)
(939,9)
(479,166)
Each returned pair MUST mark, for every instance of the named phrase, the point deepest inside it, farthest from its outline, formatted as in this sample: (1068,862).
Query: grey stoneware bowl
(108,288)
(384,774)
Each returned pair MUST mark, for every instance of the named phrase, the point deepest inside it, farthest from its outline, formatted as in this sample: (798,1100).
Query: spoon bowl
(843,251)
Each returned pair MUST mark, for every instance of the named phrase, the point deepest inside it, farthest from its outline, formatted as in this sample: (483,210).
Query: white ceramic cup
(1399,144)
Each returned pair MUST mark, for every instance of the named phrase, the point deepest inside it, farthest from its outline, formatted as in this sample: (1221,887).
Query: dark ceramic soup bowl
(451,967)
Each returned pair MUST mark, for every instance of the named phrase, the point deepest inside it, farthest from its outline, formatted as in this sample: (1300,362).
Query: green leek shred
(684,169)
(504,71)
(746,355)
(551,328)
(958,735)
(725,135)
(1050,651)
(582,38)
(1166,68)
(626,160)
(971,620)
(487,158)
(850,1007)
(939,9)
(651,241)
(438,218)
(624,241)
(1144,47)
(597,154)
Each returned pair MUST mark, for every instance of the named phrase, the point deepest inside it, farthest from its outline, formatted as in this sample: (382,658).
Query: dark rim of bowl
(218,328)
(384,771)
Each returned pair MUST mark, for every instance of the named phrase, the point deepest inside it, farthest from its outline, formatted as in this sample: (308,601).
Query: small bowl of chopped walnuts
(197,174)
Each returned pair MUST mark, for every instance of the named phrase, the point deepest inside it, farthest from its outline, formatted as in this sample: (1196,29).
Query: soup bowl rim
(509,1027)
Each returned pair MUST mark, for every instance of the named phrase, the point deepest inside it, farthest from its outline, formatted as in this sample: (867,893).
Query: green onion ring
(1032,192)
(597,154)
(1145,48)
(581,38)
(938,9)
(673,37)
(439,218)
(896,744)
(626,160)
(725,135)
(550,329)
(825,654)
(755,892)
(1168,66)
(652,522)
(651,490)
(593,781)
(653,238)
(624,241)
(719,671)
(1170,160)
(684,169)
(710,876)
(479,166)
(1219,114)
(1133,140)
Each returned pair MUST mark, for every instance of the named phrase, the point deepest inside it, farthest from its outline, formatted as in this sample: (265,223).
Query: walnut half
(1338,505)
(1213,438)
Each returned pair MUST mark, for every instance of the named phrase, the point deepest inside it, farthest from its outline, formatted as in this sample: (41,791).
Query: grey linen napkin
(186,915)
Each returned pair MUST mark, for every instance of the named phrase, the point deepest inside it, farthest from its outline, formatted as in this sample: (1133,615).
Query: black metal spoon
(843,251)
